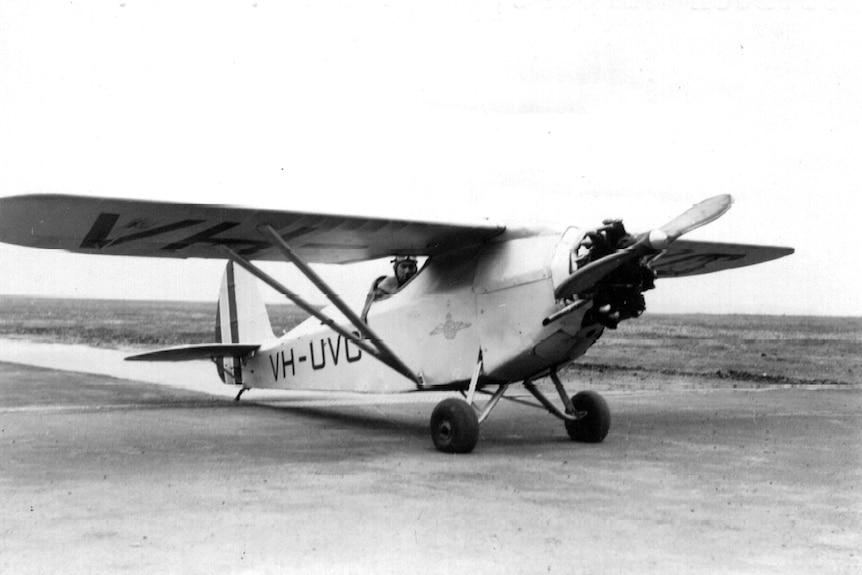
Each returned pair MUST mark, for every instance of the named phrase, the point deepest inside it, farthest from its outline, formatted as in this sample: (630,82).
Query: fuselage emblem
(450,327)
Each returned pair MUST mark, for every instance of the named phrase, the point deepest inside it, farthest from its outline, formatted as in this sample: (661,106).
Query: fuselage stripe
(234,322)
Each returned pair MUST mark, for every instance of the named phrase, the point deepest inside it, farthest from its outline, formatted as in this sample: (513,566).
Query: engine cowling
(619,295)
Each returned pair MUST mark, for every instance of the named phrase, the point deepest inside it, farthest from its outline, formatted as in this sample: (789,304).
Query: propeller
(652,242)
(698,215)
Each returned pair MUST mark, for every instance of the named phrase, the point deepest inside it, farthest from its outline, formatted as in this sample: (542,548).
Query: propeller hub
(657,239)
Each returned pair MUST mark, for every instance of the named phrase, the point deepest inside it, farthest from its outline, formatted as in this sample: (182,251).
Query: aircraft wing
(163,229)
(688,258)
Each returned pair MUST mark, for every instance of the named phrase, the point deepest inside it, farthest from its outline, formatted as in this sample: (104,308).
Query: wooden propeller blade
(698,215)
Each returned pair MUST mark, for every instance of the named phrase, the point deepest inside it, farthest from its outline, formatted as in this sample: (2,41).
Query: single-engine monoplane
(492,306)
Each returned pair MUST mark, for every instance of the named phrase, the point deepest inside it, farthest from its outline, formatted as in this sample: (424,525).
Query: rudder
(241,317)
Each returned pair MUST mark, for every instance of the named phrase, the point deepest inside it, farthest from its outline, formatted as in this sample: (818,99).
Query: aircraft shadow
(359,416)
(503,433)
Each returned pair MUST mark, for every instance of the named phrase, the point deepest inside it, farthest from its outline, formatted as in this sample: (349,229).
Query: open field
(118,323)
(765,350)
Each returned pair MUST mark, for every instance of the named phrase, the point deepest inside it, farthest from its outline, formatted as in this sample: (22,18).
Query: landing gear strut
(586,416)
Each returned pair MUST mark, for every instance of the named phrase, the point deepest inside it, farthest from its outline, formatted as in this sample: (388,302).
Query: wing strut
(379,350)
(318,282)
(363,327)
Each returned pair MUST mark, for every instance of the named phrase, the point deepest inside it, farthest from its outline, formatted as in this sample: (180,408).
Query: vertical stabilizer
(241,317)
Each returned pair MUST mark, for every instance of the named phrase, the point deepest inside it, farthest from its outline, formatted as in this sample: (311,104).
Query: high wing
(163,229)
(688,258)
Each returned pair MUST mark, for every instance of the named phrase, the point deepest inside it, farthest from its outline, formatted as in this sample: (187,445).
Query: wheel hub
(444,429)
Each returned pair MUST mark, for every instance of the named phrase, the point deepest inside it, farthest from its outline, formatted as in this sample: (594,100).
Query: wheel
(593,428)
(454,426)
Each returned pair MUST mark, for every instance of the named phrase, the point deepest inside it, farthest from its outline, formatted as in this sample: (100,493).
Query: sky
(513,111)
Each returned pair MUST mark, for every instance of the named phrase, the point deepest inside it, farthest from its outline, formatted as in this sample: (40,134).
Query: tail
(242,325)
(241,318)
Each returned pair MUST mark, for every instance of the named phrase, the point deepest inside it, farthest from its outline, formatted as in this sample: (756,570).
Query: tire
(454,426)
(594,427)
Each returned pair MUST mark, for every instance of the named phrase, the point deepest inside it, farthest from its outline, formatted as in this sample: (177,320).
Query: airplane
(492,306)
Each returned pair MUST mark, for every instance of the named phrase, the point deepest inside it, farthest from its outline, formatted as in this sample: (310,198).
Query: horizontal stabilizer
(193,352)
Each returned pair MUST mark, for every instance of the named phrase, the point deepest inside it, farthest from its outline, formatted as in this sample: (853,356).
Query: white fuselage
(487,302)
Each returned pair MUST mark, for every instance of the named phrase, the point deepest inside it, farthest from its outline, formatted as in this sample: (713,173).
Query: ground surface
(734,448)
(108,475)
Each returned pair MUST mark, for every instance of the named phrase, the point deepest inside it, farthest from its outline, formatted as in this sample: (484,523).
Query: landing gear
(454,426)
(593,427)
(455,422)
(586,416)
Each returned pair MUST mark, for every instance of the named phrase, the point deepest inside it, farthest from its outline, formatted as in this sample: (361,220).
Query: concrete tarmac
(115,476)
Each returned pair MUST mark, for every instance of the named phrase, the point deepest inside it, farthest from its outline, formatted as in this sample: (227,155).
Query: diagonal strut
(379,350)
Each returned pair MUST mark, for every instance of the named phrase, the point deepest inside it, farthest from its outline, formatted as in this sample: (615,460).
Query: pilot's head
(405,268)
